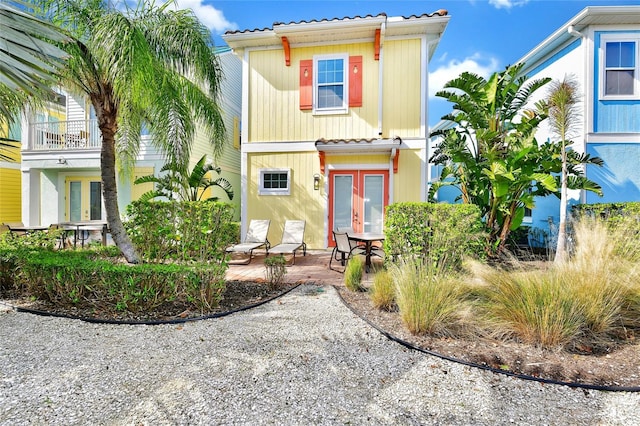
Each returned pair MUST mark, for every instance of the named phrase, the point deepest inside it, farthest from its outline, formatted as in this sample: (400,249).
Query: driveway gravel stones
(302,359)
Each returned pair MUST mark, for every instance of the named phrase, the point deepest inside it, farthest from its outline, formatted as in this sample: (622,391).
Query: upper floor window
(620,67)
(330,83)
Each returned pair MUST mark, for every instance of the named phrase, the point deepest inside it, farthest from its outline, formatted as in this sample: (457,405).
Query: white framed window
(330,84)
(275,182)
(619,55)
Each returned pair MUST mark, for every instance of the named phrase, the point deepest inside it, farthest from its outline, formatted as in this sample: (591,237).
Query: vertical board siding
(401,88)
(304,202)
(274,104)
(406,183)
(352,159)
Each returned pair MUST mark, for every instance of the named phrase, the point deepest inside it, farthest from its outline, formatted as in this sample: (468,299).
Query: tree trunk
(561,249)
(108,127)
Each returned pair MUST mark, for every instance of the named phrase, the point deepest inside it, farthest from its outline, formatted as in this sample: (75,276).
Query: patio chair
(54,227)
(375,249)
(12,225)
(256,237)
(344,248)
(292,239)
(349,230)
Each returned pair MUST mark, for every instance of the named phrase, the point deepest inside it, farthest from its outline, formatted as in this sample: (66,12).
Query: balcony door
(83,198)
(357,199)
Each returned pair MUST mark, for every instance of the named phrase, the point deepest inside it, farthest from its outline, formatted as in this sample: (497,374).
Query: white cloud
(478,64)
(211,17)
(507,4)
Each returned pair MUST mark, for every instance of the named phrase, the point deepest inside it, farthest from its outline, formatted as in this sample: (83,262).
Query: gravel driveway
(302,359)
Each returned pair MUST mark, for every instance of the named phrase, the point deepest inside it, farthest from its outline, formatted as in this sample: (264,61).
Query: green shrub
(82,278)
(275,270)
(428,300)
(353,274)
(182,231)
(382,291)
(442,233)
(36,239)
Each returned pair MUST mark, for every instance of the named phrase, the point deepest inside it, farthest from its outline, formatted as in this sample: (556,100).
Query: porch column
(30,197)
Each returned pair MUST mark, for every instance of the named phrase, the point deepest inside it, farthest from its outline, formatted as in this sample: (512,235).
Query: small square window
(275,182)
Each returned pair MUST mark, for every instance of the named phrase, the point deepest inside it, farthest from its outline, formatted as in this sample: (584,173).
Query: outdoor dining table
(82,228)
(368,238)
(27,229)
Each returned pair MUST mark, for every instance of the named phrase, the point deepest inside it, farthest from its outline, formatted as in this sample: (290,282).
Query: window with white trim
(619,69)
(275,182)
(330,88)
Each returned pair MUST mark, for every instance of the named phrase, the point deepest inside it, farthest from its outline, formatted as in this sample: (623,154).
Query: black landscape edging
(154,322)
(486,367)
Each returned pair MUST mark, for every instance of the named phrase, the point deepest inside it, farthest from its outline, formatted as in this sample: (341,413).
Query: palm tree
(184,185)
(563,104)
(146,65)
(29,62)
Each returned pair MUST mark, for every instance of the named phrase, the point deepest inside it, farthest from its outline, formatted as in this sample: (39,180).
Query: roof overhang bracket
(287,51)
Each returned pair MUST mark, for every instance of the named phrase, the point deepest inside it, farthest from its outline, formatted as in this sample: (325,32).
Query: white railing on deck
(58,135)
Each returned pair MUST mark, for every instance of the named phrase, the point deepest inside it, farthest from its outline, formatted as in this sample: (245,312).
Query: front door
(84,198)
(357,199)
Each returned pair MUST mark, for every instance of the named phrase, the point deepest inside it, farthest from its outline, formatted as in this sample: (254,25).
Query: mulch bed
(238,294)
(619,366)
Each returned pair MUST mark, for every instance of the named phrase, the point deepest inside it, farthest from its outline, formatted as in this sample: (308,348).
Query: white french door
(357,199)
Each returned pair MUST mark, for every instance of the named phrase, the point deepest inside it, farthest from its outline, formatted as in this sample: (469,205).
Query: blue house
(600,47)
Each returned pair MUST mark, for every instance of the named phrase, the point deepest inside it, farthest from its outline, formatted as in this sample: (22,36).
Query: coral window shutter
(355,81)
(306,84)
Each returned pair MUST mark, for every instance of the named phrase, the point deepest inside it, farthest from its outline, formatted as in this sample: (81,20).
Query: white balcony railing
(61,135)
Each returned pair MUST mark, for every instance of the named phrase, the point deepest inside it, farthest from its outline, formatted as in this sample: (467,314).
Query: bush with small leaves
(275,270)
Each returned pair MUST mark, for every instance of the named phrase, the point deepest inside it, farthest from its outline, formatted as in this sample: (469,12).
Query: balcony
(64,135)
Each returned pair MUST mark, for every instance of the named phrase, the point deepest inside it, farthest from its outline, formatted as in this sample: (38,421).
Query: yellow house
(334,120)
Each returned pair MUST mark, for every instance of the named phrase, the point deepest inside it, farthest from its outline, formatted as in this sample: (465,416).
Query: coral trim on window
(306,84)
(355,81)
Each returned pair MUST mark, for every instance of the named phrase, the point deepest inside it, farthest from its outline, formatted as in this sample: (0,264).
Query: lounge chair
(256,237)
(292,239)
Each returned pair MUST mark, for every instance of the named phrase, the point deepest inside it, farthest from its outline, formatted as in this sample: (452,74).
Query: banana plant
(492,156)
(180,183)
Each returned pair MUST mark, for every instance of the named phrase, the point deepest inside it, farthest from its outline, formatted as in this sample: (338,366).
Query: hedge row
(80,278)
(442,233)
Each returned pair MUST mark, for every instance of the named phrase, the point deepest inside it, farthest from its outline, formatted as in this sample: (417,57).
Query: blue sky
(483,36)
